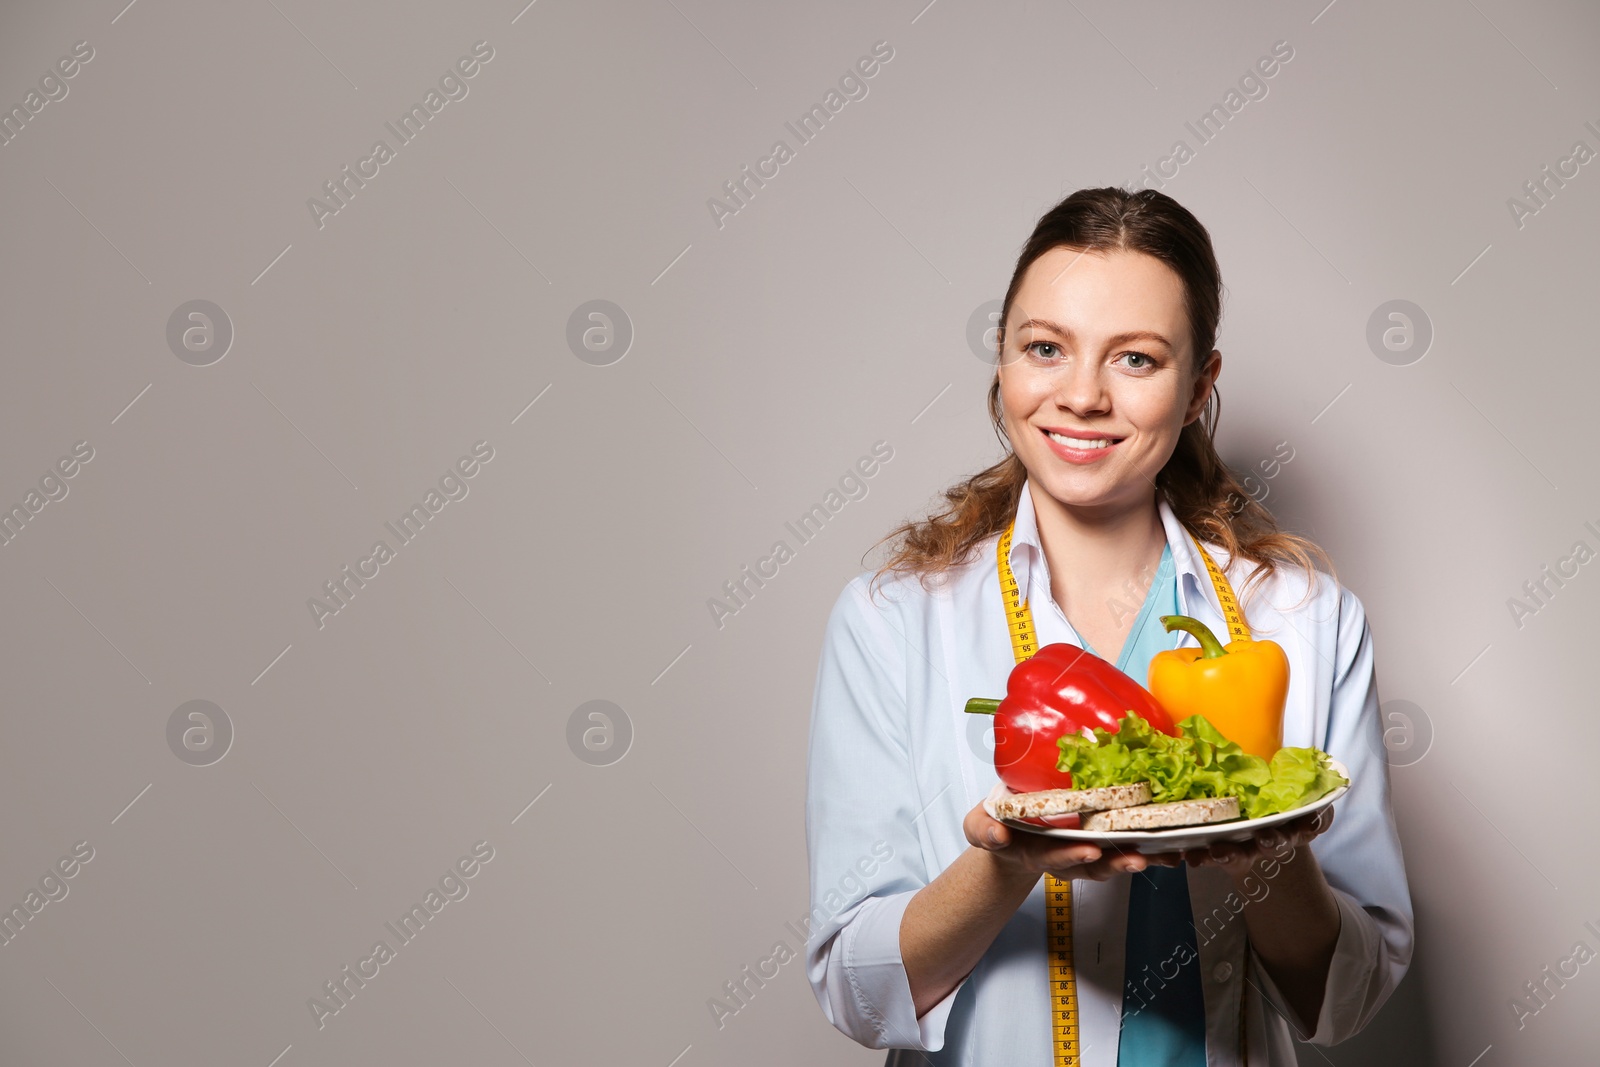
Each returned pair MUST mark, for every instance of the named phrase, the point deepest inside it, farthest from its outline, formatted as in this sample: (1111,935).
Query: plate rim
(1136,837)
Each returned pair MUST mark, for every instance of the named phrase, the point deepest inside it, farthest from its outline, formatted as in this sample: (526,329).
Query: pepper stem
(1210,647)
(982,706)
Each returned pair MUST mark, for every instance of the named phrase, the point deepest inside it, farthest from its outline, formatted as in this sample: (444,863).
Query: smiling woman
(1145,380)
(978,943)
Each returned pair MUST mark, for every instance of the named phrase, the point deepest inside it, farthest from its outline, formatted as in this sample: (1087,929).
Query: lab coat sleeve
(1360,854)
(862,811)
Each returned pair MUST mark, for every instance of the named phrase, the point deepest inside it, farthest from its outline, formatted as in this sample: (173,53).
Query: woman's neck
(1090,551)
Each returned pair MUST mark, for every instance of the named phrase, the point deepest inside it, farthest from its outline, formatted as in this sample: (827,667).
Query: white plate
(1179,837)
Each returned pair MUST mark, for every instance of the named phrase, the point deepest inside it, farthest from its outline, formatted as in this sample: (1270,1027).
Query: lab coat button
(1222,972)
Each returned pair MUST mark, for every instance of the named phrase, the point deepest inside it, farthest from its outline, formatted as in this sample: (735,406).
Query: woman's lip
(1078,455)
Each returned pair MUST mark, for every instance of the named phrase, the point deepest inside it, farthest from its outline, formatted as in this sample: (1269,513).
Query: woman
(928,924)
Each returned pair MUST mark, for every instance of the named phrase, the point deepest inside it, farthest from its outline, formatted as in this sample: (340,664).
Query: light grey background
(768,355)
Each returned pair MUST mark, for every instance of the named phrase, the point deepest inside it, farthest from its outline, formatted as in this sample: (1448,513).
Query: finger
(993,839)
(1299,832)
(985,832)
(1301,825)
(1074,855)
(1101,872)
(1120,861)
(1065,865)
(1272,840)
(1309,826)
(1132,863)
(1097,871)
(1226,854)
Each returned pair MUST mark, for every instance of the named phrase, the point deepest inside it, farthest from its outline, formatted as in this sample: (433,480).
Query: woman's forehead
(1063,269)
(1101,294)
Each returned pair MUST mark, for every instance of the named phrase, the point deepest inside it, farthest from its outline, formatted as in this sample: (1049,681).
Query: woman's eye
(1036,347)
(1148,362)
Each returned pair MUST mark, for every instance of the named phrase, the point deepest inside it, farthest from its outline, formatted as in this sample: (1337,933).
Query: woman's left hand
(1239,857)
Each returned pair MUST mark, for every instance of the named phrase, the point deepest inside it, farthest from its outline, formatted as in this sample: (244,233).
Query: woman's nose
(1080,388)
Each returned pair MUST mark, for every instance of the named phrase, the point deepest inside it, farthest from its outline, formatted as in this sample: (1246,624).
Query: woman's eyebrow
(1127,335)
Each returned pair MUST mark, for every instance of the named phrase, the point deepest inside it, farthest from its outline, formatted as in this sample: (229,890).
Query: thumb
(985,832)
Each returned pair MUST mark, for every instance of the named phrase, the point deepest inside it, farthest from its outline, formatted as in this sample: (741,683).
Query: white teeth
(1078,442)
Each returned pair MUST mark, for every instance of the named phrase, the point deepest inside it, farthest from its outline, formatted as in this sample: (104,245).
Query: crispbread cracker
(1067,801)
(1162,816)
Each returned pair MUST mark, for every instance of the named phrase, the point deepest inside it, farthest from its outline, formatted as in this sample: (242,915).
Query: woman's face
(1097,347)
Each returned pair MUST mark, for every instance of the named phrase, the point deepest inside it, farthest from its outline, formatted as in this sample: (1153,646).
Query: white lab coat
(895,764)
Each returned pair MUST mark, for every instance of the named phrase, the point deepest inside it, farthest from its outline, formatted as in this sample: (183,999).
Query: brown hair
(1203,493)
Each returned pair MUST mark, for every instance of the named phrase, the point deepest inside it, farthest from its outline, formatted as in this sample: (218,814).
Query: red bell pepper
(1060,689)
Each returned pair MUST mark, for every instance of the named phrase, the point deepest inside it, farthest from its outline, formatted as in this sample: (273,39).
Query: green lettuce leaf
(1199,762)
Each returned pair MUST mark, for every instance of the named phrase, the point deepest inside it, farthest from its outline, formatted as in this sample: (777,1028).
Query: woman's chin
(1096,493)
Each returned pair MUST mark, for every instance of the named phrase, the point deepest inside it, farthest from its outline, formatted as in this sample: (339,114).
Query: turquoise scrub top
(1163,1022)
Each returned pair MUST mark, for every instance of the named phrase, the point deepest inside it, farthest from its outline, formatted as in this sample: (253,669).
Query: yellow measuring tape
(1058,891)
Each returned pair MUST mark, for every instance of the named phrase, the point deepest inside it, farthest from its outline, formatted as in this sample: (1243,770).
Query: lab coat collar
(1196,595)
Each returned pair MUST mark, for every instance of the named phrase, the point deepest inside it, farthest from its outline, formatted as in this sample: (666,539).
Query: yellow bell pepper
(1241,689)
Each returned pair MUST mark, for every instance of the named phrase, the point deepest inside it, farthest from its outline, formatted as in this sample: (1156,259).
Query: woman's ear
(1204,382)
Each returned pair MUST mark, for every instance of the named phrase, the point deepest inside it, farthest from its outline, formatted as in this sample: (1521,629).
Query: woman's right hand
(1038,854)
(950,923)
